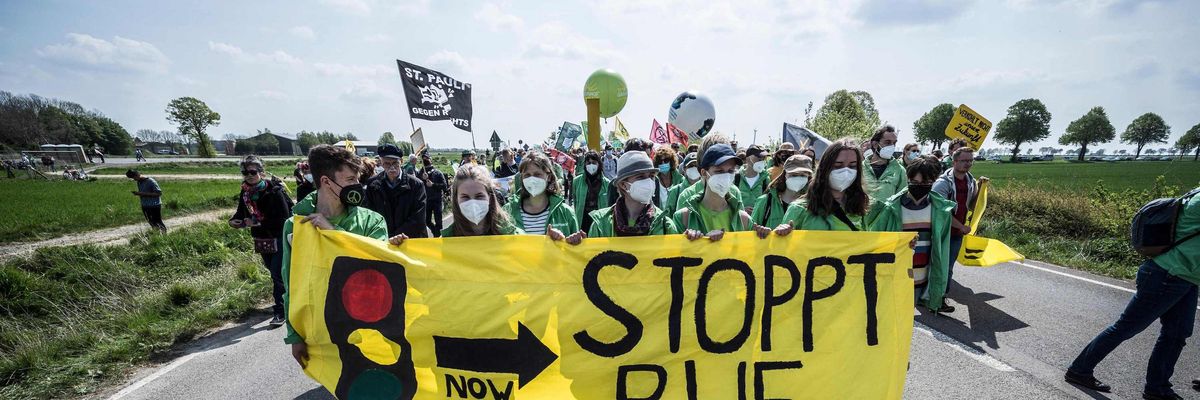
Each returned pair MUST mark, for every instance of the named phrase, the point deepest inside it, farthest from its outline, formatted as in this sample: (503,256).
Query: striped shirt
(535,224)
(917,218)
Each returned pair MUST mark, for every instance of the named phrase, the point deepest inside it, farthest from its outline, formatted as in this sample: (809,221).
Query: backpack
(1153,229)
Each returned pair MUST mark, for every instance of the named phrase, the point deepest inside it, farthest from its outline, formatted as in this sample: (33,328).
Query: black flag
(434,96)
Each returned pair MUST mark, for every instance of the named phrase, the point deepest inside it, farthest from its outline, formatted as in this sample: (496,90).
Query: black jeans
(154,217)
(433,217)
(274,264)
(1159,296)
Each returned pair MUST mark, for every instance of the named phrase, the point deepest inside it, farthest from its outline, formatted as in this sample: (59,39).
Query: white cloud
(719,17)
(497,19)
(356,7)
(377,38)
(556,40)
(447,61)
(303,32)
(271,95)
(276,57)
(366,91)
(806,21)
(121,54)
(355,71)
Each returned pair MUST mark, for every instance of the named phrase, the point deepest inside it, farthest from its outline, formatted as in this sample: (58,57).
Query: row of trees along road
(29,121)
(1028,121)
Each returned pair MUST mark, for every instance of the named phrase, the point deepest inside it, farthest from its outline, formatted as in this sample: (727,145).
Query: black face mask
(919,191)
(351,195)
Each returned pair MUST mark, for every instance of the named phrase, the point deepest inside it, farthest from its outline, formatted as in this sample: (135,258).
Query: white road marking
(975,354)
(1124,289)
(157,374)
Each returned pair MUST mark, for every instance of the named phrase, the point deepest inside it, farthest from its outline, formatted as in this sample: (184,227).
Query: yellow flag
(823,315)
(349,146)
(619,131)
(980,251)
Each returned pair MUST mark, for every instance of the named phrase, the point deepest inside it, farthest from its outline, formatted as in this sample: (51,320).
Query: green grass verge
(1083,176)
(281,168)
(73,319)
(37,209)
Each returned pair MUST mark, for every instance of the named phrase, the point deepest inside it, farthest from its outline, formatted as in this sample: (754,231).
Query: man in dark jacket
(435,186)
(399,197)
(263,206)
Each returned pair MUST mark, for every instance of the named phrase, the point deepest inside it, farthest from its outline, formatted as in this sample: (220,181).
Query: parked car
(1165,158)
(163,151)
(1047,157)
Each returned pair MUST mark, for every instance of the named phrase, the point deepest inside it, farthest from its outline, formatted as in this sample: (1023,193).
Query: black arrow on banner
(525,356)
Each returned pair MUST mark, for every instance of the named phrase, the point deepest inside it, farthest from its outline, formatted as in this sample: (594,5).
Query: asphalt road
(1016,328)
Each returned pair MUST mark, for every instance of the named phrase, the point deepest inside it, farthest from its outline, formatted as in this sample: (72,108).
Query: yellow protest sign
(968,125)
(349,145)
(980,251)
(811,315)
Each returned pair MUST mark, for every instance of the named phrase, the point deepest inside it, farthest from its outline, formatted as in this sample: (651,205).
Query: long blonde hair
(496,217)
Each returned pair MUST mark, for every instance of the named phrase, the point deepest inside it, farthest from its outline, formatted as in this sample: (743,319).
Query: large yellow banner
(814,315)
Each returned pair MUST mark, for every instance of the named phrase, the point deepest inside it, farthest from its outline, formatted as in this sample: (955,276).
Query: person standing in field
(334,206)
(959,186)
(263,206)
(137,155)
(885,176)
(99,152)
(150,196)
(1166,292)
(398,196)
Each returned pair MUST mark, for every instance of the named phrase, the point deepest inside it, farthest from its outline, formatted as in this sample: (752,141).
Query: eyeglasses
(248,172)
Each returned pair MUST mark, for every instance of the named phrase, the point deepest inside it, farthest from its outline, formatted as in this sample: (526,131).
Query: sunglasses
(248,172)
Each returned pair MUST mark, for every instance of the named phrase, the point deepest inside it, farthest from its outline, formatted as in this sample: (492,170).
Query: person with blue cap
(713,211)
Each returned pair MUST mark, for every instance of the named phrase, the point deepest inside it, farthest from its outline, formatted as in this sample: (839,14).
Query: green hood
(602,223)
(887,216)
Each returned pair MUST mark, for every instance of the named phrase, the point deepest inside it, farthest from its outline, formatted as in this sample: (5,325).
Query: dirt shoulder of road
(110,236)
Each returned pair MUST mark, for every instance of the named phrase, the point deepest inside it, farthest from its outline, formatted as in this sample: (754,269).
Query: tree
(1091,128)
(1188,142)
(149,135)
(387,138)
(1027,121)
(846,114)
(1148,128)
(194,117)
(931,127)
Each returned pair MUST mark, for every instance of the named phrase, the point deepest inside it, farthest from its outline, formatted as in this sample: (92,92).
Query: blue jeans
(1161,296)
(955,247)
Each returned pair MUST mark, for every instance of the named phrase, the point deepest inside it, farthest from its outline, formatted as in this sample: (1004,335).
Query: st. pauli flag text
(811,315)
(435,96)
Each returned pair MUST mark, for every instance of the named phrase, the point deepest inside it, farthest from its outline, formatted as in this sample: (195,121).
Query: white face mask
(796,183)
(759,166)
(534,185)
(912,155)
(887,152)
(474,210)
(642,191)
(841,178)
(693,174)
(592,168)
(720,183)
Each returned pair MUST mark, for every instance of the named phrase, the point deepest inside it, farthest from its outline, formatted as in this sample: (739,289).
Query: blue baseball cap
(718,154)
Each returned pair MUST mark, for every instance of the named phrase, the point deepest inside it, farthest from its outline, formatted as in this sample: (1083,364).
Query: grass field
(75,318)
(1065,175)
(38,209)
(282,169)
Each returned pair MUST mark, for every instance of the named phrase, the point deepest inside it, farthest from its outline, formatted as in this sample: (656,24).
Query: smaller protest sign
(968,125)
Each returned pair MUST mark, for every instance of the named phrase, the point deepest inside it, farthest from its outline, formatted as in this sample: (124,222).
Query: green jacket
(887,216)
(562,216)
(751,193)
(602,223)
(357,220)
(690,190)
(893,180)
(1183,260)
(579,193)
(769,211)
(688,216)
(448,231)
(797,213)
(673,193)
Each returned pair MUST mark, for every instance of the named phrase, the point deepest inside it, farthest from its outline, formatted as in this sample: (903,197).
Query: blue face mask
(664,168)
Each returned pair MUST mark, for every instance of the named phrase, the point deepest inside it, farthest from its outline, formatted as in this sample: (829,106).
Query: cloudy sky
(330,64)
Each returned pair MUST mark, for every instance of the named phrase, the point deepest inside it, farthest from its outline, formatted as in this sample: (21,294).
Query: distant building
(288,146)
(363,147)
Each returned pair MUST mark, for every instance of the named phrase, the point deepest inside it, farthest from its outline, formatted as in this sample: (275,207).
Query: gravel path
(110,236)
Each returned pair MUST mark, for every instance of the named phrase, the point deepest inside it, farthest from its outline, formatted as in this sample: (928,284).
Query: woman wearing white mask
(634,213)
(836,200)
(713,211)
(752,182)
(788,189)
(668,174)
(886,175)
(691,175)
(539,207)
(476,210)
(590,190)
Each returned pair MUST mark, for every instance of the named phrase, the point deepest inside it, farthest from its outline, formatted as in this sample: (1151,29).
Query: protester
(634,213)
(304,180)
(508,164)
(1166,292)
(911,152)
(334,206)
(263,206)
(959,186)
(668,175)
(685,194)
(886,175)
(678,154)
(955,144)
(716,209)
(609,163)
(98,152)
(370,169)
(397,196)
(810,152)
(137,155)
(785,151)
(691,176)
(435,189)
(468,157)
(410,168)
(917,208)
(538,207)
(476,210)
(752,181)
(590,190)
(150,195)
(836,199)
(782,193)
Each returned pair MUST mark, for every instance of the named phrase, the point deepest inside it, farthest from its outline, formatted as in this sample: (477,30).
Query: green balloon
(608,86)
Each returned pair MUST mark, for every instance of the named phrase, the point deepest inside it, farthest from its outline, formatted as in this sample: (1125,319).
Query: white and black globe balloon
(693,113)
